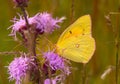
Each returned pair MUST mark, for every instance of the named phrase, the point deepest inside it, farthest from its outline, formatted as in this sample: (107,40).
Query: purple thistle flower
(18,25)
(49,81)
(45,22)
(54,61)
(21,3)
(55,80)
(18,67)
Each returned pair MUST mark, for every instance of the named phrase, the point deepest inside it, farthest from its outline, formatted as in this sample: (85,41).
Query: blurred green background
(104,30)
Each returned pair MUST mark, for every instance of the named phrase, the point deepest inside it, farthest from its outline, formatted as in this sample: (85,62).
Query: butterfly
(76,42)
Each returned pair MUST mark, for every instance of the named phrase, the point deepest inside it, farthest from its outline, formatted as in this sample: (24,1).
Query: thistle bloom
(54,61)
(49,81)
(58,79)
(43,22)
(21,2)
(18,67)
(46,22)
(18,25)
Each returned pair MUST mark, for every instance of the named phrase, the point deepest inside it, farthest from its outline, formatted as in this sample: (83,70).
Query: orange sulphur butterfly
(76,42)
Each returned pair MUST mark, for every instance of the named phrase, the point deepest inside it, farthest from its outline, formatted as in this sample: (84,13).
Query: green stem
(117,58)
(117,50)
(72,11)
(84,74)
(117,61)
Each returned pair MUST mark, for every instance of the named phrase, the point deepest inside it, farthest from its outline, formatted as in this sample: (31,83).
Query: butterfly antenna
(39,50)
(17,46)
(48,40)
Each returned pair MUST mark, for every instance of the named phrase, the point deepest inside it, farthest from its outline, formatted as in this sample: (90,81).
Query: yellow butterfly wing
(76,42)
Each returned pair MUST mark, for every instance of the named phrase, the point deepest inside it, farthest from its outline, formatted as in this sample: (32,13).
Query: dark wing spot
(70,32)
(83,32)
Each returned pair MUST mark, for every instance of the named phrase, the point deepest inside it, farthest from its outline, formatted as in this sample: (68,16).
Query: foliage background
(103,32)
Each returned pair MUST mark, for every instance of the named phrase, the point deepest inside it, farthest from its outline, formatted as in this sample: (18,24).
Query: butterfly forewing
(80,27)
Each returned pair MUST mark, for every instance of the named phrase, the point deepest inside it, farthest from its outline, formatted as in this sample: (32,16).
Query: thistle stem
(30,42)
(25,16)
(30,35)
